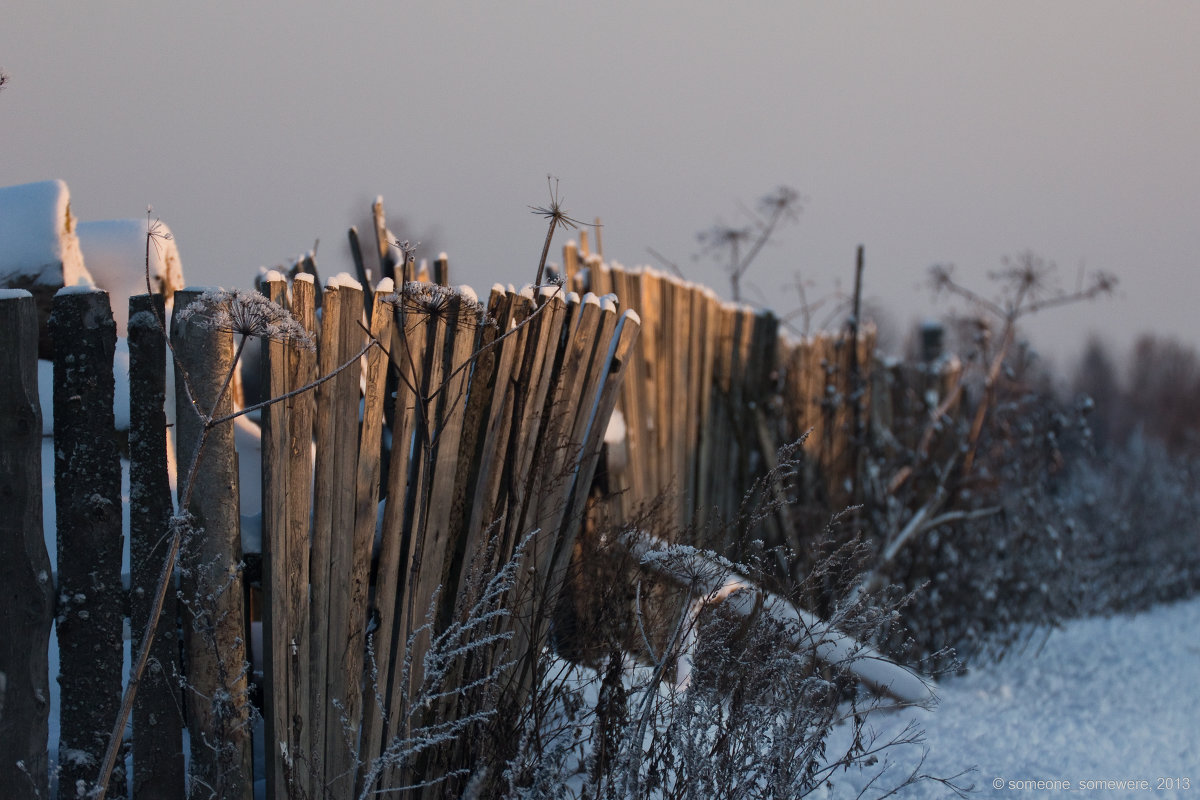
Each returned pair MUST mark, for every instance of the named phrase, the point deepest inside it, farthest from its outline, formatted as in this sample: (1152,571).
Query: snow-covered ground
(1105,700)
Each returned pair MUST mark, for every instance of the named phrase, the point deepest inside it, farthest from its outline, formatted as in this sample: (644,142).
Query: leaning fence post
(157,715)
(27,591)
(87,477)
(218,700)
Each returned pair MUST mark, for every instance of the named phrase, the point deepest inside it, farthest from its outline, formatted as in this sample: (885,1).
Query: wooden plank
(707,345)
(301,370)
(444,494)
(418,591)
(441,270)
(622,340)
(390,579)
(275,449)
(383,248)
(676,319)
(488,507)
(87,474)
(562,446)
(24,562)
(530,417)
(214,626)
(345,628)
(324,490)
(157,711)
(624,478)
(476,418)
(351,554)
(648,384)
(571,268)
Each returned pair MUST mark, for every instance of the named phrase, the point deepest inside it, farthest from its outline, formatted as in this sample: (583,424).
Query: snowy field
(1106,699)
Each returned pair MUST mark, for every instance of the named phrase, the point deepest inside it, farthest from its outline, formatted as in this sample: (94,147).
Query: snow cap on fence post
(39,247)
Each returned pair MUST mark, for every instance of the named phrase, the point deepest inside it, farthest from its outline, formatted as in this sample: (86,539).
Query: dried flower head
(419,301)
(554,211)
(246,313)
(407,250)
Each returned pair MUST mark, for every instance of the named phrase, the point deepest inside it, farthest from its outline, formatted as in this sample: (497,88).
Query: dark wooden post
(157,711)
(214,620)
(26,590)
(87,479)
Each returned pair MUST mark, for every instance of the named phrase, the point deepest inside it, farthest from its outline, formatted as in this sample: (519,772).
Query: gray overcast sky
(927,131)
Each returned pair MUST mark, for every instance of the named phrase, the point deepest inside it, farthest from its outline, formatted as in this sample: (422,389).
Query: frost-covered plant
(1127,524)
(753,719)
(419,301)
(410,761)
(246,314)
(726,693)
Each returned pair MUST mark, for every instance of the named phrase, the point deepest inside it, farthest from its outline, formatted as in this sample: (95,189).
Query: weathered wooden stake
(87,466)
(214,620)
(157,710)
(26,588)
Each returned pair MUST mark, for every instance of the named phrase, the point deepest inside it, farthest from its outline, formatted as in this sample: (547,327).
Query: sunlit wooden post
(214,620)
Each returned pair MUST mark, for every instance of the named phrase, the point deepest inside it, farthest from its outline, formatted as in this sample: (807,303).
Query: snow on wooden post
(87,474)
(39,248)
(157,711)
(25,585)
(214,619)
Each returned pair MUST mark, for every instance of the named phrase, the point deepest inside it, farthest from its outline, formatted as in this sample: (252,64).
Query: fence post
(87,477)
(214,617)
(25,585)
(286,502)
(157,714)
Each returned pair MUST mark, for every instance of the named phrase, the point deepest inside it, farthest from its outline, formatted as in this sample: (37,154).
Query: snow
(13,294)
(343,280)
(82,286)
(115,253)
(614,434)
(1104,699)
(38,242)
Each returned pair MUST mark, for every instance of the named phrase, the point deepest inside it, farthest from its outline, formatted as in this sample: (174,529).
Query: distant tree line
(1154,396)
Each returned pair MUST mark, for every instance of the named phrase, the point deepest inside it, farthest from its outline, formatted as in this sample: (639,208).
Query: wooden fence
(371,529)
(390,493)
(715,389)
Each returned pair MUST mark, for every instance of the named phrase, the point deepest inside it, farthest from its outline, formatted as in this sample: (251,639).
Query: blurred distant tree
(1096,377)
(1164,378)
